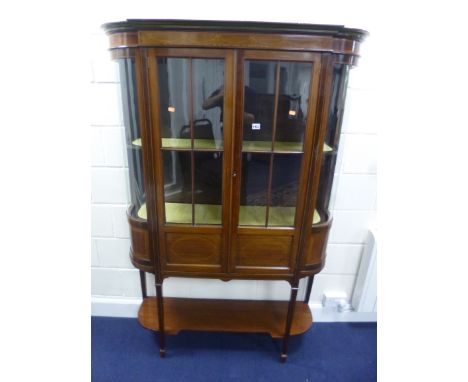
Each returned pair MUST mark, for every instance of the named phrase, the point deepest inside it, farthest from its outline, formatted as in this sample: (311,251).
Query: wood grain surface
(244,316)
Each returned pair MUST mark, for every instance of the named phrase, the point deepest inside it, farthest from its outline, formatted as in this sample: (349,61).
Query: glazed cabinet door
(191,96)
(276,104)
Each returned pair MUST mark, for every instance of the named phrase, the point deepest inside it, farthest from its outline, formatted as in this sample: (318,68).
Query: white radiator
(365,289)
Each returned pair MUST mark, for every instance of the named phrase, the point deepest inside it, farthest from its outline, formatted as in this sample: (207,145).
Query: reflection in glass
(174,110)
(254,186)
(293,98)
(339,86)
(208,187)
(259,104)
(326,182)
(185,80)
(132,134)
(284,189)
(177,186)
(276,96)
(208,102)
(332,136)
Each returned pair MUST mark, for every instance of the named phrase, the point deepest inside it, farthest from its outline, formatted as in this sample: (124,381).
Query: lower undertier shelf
(246,316)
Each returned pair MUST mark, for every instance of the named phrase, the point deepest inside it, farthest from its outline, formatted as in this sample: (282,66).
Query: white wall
(354,204)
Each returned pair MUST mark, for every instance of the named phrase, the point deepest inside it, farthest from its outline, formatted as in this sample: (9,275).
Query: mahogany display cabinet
(232,133)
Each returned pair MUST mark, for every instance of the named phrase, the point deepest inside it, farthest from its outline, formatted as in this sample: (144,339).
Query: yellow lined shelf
(278,216)
(142,212)
(181,213)
(316,218)
(247,146)
(184,143)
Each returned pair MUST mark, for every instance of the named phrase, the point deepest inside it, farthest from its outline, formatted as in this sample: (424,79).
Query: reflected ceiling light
(171,109)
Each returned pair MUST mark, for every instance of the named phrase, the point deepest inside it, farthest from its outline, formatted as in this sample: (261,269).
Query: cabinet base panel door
(242,316)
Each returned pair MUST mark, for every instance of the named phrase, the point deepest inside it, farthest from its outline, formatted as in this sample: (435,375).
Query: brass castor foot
(162,353)
(283,358)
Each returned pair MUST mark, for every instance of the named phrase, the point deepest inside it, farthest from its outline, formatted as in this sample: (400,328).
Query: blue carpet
(122,351)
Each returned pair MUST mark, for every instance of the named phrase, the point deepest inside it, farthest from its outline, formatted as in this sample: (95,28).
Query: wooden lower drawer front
(263,251)
(224,316)
(193,249)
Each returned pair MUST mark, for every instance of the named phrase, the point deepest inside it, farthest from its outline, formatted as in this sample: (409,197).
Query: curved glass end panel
(127,77)
(332,140)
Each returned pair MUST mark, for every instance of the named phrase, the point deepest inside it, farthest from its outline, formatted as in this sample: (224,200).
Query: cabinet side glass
(332,140)
(127,76)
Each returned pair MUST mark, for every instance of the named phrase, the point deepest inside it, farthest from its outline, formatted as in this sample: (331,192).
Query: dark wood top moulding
(338,31)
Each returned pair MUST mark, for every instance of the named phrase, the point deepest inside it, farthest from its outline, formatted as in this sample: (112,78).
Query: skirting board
(128,307)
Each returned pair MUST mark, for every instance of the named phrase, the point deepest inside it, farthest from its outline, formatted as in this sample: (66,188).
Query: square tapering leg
(289,318)
(162,335)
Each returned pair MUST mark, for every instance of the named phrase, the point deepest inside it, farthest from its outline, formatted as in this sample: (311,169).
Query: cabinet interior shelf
(247,146)
(184,143)
(265,146)
(181,213)
(224,316)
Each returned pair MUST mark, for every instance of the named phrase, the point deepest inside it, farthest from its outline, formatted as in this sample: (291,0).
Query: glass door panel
(254,186)
(259,105)
(293,98)
(174,102)
(191,103)
(208,103)
(177,186)
(284,189)
(208,187)
(276,99)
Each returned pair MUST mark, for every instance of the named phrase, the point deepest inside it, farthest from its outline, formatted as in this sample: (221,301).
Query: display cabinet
(232,133)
